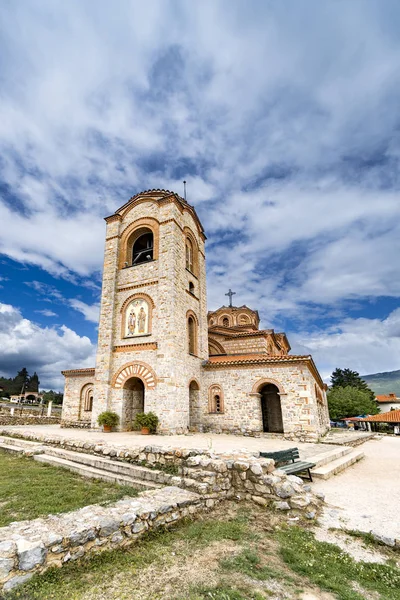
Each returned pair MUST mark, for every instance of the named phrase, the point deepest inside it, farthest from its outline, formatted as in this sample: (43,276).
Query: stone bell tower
(153,320)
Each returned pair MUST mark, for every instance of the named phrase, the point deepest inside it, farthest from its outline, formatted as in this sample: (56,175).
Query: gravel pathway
(366,496)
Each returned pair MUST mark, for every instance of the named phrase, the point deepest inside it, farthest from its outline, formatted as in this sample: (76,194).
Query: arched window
(192,335)
(86,401)
(225,322)
(142,250)
(191,287)
(189,254)
(215,400)
(89,400)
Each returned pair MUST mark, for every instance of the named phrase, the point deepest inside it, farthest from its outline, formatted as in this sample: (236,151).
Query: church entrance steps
(94,473)
(11,448)
(19,446)
(323,458)
(114,466)
(348,438)
(337,466)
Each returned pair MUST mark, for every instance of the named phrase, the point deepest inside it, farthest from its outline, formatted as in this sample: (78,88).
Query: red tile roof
(393,416)
(387,398)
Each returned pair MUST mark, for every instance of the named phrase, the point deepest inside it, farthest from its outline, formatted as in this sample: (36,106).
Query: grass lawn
(236,552)
(29,489)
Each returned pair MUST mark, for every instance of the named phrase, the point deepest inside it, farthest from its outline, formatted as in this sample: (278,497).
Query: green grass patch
(334,570)
(249,563)
(222,593)
(29,489)
(369,539)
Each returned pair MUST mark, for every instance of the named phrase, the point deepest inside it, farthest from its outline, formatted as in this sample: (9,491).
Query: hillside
(384,383)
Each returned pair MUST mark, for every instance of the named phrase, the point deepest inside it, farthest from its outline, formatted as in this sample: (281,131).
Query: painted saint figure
(142,321)
(131,322)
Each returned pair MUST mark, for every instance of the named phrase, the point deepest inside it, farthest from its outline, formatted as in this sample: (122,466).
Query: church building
(160,350)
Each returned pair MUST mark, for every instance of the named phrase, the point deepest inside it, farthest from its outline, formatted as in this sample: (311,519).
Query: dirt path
(367,495)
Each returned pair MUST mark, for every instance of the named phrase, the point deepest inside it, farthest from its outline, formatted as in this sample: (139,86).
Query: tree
(348,378)
(51,396)
(20,381)
(350,402)
(33,385)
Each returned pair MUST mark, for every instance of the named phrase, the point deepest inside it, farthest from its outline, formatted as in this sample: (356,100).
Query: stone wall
(202,480)
(238,474)
(242,405)
(74,383)
(30,547)
(245,345)
(76,424)
(28,420)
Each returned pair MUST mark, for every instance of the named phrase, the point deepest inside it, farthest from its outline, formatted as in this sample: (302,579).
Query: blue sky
(283,117)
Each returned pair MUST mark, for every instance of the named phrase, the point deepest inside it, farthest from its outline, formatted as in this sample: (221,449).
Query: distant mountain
(384,383)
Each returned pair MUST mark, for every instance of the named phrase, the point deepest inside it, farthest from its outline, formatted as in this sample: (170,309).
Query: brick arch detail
(194,380)
(128,237)
(225,316)
(261,382)
(217,346)
(138,296)
(135,369)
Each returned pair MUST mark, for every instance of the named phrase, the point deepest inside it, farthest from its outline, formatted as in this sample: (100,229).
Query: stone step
(11,448)
(114,466)
(337,466)
(93,473)
(19,442)
(324,458)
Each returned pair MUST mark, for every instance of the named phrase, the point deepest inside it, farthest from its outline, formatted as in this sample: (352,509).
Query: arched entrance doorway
(133,401)
(271,409)
(194,405)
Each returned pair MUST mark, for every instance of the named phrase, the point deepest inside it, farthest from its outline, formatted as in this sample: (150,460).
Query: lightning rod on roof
(184,190)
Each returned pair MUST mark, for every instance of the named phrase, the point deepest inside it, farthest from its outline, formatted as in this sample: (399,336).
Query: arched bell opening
(133,402)
(142,250)
(271,409)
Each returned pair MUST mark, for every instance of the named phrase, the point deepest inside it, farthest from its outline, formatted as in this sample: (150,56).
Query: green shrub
(108,418)
(149,420)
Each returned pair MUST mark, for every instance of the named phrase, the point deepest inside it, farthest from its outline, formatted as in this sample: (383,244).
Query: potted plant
(108,419)
(146,422)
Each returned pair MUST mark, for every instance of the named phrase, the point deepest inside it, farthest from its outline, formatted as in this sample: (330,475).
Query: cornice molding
(136,347)
(134,286)
(78,372)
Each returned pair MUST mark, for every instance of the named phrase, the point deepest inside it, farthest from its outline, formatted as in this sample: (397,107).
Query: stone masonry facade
(159,350)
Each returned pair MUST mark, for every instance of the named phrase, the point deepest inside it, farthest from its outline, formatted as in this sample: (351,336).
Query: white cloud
(91,312)
(283,123)
(46,313)
(47,350)
(363,345)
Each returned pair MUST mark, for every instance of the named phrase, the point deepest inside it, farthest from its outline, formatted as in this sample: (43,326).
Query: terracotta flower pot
(145,431)
(107,429)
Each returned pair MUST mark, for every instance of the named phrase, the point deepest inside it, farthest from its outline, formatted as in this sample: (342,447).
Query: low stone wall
(28,420)
(202,479)
(76,424)
(240,474)
(30,547)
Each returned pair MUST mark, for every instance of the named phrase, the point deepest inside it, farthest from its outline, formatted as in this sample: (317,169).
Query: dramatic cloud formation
(283,121)
(45,350)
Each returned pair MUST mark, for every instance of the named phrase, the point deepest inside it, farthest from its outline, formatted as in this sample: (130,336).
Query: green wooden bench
(288,461)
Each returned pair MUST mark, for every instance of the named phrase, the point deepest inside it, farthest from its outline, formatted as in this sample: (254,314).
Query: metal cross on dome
(230,294)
